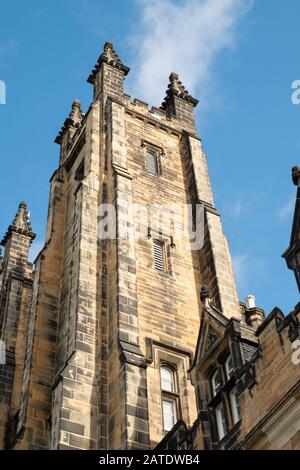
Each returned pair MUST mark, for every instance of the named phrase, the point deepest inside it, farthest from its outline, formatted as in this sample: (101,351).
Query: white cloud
(286,211)
(237,208)
(184,37)
(241,269)
(247,268)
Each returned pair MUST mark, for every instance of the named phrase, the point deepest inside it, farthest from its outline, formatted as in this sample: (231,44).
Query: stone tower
(114,321)
(15,302)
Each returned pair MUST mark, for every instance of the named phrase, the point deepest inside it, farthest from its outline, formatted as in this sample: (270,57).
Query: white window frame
(170,371)
(229,370)
(169,394)
(235,409)
(173,415)
(221,420)
(216,387)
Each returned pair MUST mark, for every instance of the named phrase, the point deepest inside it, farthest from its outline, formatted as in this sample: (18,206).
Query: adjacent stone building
(100,338)
(246,374)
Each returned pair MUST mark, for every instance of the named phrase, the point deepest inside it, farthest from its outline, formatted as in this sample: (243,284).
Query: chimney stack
(253,315)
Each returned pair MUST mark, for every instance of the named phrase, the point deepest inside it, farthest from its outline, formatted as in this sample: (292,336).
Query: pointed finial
(73,120)
(76,104)
(296,175)
(108,51)
(21,220)
(1,260)
(76,115)
(174,83)
(21,224)
(176,88)
(110,57)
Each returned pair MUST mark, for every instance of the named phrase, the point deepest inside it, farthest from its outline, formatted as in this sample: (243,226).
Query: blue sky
(239,57)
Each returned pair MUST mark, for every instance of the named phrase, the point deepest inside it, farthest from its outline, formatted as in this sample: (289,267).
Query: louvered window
(159,256)
(151,162)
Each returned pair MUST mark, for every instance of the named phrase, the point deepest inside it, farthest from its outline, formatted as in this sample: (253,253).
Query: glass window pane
(229,367)
(216,383)
(169,414)
(234,406)
(167,379)
(221,421)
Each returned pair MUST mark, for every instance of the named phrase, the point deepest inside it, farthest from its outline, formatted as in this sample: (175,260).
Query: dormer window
(224,401)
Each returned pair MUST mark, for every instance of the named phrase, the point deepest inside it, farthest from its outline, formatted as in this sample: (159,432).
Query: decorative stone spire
(1,265)
(21,224)
(176,88)
(292,254)
(110,57)
(73,120)
(296,175)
